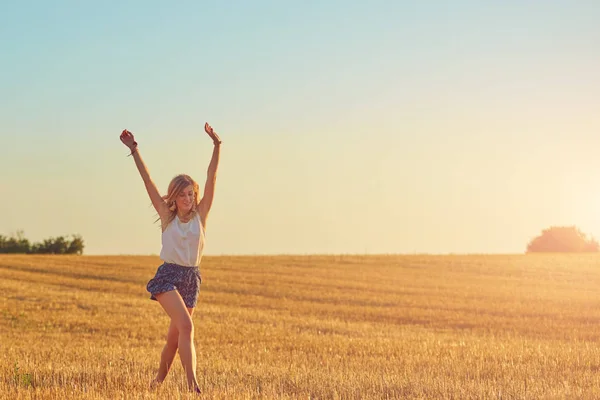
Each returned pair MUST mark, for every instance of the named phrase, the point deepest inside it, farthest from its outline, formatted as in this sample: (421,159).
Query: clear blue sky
(347,127)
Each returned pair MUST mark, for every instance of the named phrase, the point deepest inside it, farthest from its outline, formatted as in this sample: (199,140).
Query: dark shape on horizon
(563,239)
(18,244)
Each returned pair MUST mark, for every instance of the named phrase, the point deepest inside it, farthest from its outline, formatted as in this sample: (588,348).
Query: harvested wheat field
(308,327)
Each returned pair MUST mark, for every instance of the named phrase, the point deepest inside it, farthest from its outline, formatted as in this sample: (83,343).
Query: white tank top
(183,243)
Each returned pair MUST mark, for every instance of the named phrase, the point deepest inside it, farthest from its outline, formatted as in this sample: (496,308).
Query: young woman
(177,281)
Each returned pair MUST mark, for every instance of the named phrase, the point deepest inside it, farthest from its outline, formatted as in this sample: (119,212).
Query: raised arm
(211,176)
(157,201)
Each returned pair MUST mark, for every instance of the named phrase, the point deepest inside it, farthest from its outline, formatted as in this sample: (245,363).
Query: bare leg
(193,350)
(168,354)
(180,317)
(169,351)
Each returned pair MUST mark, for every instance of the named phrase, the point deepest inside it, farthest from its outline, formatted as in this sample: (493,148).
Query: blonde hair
(177,185)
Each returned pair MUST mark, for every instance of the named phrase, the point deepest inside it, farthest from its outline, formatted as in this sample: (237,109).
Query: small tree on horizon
(18,244)
(563,239)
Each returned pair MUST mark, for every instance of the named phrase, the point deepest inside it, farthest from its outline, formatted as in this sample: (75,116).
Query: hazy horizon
(347,128)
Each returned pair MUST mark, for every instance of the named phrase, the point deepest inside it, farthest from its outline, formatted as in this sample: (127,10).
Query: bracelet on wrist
(133,149)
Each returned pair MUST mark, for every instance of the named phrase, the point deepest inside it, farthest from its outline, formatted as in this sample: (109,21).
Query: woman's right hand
(128,140)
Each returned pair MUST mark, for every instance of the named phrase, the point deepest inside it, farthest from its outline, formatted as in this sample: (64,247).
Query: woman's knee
(185,326)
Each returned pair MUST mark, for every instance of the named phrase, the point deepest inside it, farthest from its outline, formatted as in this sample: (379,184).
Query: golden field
(308,327)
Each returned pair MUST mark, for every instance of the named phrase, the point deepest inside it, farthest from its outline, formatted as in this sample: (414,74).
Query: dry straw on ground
(308,327)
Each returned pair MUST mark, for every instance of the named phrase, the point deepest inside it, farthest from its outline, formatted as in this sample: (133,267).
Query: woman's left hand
(213,135)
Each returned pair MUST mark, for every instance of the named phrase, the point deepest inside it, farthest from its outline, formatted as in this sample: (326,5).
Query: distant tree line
(563,239)
(55,245)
